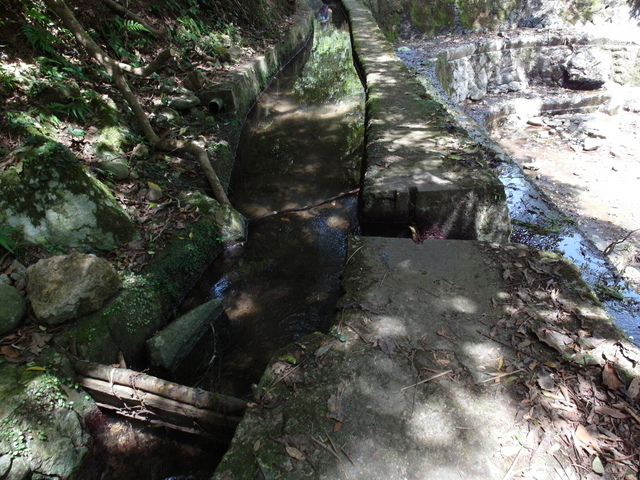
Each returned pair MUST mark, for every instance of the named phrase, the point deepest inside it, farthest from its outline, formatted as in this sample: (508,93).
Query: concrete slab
(421,168)
(448,360)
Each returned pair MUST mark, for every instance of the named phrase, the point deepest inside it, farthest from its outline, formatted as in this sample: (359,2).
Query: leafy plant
(7,239)
(76,110)
(41,40)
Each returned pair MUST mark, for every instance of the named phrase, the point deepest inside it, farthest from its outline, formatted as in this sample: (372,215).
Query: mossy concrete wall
(420,167)
(439,16)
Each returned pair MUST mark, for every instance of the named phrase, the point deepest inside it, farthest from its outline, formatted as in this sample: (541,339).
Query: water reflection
(300,145)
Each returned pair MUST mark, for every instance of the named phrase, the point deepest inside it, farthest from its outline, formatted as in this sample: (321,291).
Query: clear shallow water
(300,146)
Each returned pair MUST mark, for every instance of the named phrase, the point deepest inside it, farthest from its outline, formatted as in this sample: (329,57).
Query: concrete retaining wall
(420,167)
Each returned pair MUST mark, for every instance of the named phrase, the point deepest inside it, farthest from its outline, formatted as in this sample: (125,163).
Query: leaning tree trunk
(115,70)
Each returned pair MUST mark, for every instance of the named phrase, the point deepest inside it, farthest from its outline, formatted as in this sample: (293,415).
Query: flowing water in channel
(301,145)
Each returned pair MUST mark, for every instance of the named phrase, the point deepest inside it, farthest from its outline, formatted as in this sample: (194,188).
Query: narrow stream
(301,145)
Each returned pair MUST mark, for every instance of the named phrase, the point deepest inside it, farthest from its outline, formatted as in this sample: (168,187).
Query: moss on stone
(430,17)
(51,197)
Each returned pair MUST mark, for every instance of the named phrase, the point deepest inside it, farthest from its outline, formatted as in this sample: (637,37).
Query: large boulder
(586,70)
(42,432)
(51,198)
(13,308)
(70,286)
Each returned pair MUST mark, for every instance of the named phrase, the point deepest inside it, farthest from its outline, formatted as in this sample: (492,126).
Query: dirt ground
(596,188)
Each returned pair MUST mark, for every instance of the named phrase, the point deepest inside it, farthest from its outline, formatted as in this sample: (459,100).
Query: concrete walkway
(449,360)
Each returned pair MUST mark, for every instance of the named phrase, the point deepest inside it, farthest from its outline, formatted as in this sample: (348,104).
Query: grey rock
(184,103)
(176,341)
(140,151)
(586,70)
(590,144)
(195,80)
(54,199)
(69,286)
(536,121)
(42,425)
(117,169)
(14,307)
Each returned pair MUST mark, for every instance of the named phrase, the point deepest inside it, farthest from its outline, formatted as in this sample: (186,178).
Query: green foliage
(77,110)
(41,40)
(7,239)
(8,81)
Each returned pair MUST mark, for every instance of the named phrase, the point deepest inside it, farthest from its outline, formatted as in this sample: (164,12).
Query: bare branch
(127,13)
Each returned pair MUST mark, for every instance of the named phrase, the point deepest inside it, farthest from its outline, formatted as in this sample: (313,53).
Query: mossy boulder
(50,197)
(41,423)
(14,307)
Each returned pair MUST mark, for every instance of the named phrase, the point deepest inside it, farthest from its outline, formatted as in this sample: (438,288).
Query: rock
(14,307)
(195,80)
(590,144)
(70,286)
(53,199)
(153,194)
(140,151)
(41,425)
(586,70)
(184,103)
(117,169)
(536,121)
(176,341)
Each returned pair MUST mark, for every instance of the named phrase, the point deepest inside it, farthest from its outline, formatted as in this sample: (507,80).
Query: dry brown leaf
(337,426)
(558,341)
(611,412)
(256,446)
(293,452)
(9,351)
(610,377)
(584,438)
(634,387)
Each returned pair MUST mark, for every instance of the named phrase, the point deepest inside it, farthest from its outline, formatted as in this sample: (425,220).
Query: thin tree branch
(302,209)
(127,13)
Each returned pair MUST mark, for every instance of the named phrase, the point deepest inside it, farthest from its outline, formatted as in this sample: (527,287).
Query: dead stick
(441,374)
(327,449)
(495,377)
(302,209)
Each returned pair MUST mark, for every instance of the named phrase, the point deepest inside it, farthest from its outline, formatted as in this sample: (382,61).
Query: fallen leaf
(546,381)
(612,412)
(387,345)
(597,466)
(289,358)
(337,426)
(9,351)
(558,341)
(323,350)
(334,404)
(35,368)
(582,435)
(634,388)
(610,377)
(256,446)
(295,453)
